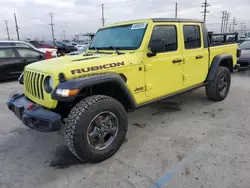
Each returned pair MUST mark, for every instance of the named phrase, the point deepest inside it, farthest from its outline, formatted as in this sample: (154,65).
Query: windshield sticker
(139,26)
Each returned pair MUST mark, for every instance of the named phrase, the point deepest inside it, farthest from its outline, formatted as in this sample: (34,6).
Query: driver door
(164,71)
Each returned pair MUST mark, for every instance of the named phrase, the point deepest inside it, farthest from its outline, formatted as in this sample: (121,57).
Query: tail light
(48,55)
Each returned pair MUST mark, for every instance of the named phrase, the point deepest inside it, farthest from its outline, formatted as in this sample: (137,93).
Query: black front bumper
(33,115)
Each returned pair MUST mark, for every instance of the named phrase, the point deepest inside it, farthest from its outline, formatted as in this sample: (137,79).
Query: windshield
(245,45)
(127,37)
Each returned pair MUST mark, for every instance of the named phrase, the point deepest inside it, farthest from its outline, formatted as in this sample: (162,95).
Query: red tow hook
(14,95)
(31,107)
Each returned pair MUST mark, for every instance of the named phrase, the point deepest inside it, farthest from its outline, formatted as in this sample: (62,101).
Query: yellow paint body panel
(158,75)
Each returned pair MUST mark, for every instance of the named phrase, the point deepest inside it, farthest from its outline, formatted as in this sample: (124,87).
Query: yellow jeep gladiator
(127,65)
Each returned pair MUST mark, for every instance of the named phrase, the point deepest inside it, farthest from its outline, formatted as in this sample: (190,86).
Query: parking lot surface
(186,141)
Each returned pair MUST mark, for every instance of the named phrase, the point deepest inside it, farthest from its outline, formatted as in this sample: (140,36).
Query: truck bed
(223,49)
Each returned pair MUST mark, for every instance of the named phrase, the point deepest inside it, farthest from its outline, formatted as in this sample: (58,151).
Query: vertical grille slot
(31,83)
(34,85)
(41,86)
(37,86)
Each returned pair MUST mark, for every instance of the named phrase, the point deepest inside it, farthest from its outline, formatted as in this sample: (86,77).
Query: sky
(80,16)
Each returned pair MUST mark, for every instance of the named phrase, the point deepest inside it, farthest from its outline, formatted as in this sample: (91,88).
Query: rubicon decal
(95,68)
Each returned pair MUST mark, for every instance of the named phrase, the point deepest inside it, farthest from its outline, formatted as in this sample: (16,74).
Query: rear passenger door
(28,55)
(195,55)
(10,65)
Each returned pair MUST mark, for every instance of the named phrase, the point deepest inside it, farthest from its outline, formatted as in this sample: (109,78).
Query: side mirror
(41,56)
(156,46)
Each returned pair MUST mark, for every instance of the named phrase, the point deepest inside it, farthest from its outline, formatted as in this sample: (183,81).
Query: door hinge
(148,87)
(147,67)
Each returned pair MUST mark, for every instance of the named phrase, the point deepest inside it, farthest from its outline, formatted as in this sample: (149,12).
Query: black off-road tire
(212,88)
(76,127)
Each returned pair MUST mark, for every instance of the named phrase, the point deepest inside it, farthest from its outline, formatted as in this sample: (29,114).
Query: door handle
(199,57)
(177,60)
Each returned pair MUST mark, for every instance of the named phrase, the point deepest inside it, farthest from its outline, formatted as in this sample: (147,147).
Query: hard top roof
(175,20)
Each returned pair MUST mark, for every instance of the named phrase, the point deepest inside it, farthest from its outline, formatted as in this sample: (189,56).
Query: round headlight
(51,83)
(48,84)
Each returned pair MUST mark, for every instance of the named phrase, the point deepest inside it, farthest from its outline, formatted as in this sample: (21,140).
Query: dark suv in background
(14,59)
(63,47)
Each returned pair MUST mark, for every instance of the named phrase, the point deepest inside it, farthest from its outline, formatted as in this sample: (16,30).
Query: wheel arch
(225,60)
(110,84)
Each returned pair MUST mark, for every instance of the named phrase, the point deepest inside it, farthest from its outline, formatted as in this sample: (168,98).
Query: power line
(176,9)
(103,19)
(205,5)
(52,25)
(7,29)
(17,28)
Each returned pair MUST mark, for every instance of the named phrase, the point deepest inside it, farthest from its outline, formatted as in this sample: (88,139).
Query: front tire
(96,128)
(218,89)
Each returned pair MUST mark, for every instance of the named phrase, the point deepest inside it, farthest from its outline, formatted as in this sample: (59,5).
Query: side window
(192,37)
(27,53)
(6,53)
(167,35)
(2,44)
(21,45)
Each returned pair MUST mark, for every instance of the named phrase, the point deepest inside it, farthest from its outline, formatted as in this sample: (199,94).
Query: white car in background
(7,43)
(79,47)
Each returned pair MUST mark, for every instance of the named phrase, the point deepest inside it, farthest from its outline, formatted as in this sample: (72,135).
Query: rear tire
(218,89)
(82,123)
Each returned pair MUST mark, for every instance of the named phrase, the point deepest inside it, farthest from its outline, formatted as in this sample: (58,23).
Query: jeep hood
(79,65)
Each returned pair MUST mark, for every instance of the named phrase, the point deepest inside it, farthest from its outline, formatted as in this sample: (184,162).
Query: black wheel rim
(223,85)
(102,130)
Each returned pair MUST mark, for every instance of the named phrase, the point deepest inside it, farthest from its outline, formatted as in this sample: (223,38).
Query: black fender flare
(91,80)
(216,62)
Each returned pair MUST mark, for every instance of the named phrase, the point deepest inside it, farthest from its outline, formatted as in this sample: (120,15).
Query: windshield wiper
(112,47)
(96,49)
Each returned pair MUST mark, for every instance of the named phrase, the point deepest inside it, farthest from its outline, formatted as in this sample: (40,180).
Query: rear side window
(192,36)
(27,53)
(21,45)
(2,44)
(166,34)
(6,53)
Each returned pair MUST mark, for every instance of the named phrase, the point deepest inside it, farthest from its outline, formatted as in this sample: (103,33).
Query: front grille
(33,83)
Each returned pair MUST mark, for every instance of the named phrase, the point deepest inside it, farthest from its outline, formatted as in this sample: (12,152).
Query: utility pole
(230,27)
(17,28)
(222,21)
(227,19)
(176,9)
(103,19)
(64,35)
(205,5)
(7,29)
(52,25)
(234,23)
